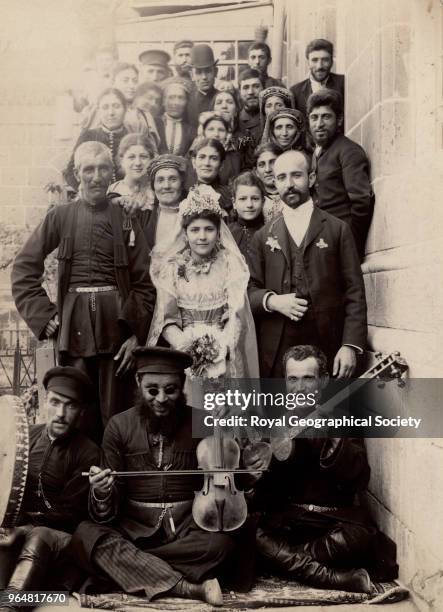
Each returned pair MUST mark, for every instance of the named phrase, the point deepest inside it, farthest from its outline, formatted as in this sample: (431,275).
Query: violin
(219,506)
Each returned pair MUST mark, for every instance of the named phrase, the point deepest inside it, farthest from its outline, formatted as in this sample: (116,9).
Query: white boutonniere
(321,244)
(273,244)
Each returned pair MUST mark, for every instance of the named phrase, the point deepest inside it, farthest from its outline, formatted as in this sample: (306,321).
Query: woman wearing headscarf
(286,129)
(272,99)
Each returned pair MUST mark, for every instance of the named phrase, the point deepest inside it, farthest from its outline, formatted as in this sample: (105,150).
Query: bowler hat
(160,360)
(69,382)
(155,57)
(202,56)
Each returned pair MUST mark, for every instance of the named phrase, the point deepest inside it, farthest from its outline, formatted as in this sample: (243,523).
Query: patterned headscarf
(281,92)
(289,113)
(167,161)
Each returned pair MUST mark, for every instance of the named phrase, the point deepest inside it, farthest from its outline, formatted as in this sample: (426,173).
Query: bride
(202,305)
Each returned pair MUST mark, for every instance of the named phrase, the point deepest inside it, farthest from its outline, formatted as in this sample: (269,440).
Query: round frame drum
(14,453)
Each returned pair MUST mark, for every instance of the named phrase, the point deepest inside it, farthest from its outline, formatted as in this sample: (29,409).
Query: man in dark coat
(250,84)
(105,295)
(310,525)
(319,54)
(306,284)
(343,185)
(175,131)
(259,58)
(144,537)
(55,496)
(204,72)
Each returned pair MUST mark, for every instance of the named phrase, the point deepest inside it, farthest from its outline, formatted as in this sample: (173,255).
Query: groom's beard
(166,425)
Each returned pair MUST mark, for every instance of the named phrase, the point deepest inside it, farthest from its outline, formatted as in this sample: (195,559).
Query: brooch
(273,244)
(321,244)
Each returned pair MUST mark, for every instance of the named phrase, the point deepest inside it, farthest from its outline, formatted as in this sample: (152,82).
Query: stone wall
(388,50)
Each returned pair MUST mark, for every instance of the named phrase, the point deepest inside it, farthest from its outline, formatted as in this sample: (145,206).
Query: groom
(306,285)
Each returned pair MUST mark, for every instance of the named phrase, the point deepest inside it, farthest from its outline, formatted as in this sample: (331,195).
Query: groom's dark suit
(330,270)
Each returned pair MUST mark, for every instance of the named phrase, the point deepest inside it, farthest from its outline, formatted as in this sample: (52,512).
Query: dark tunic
(311,498)
(251,125)
(199,103)
(157,544)
(57,464)
(86,333)
(343,186)
(130,269)
(108,137)
(243,232)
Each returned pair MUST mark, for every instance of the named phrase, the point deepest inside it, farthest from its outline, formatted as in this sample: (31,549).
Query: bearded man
(306,285)
(154,545)
(250,84)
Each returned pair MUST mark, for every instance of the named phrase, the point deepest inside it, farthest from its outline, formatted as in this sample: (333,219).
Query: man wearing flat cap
(204,72)
(182,58)
(153,544)
(55,497)
(175,131)
(154,65)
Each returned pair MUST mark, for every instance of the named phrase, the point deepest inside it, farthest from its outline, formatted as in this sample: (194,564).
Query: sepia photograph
(221,305)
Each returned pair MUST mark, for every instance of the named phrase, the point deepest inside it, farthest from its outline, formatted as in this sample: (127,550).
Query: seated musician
(311,528)
(143,537)
(56,495)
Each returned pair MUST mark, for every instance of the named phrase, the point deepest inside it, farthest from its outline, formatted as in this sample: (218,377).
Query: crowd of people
(213,232)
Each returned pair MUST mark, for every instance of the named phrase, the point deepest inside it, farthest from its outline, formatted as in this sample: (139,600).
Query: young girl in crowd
(249,197)
(207,156)
(217,126)
(226,103)
(111,109)
(135,153)
(265,156)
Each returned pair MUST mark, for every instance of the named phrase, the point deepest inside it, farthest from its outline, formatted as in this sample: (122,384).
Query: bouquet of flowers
(204,352)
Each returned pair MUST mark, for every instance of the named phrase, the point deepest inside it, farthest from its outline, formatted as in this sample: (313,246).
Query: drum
(14,453)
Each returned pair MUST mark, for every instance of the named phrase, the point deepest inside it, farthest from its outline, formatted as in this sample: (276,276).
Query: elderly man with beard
(306,285)
(153,544)
(250,84)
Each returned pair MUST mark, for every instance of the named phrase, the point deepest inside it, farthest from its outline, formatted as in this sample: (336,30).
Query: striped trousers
(193,556)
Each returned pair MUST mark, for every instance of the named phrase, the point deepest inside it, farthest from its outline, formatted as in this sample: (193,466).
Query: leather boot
(31,567)
(344,548)
(296,561)
(208,591)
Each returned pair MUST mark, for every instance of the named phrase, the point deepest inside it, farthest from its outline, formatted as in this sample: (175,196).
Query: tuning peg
(378,355)
(396,353)
(395,372)
(401,383)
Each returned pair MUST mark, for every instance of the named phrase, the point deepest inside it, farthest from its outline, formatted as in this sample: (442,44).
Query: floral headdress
(201,198)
